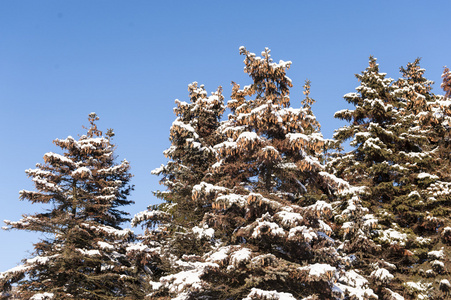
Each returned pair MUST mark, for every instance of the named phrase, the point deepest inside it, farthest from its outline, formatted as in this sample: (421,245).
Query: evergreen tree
(374,135)
(446,84)
(171,226)
(371,131)
(420,209)
(83,251)
(192,136)
(395,133)
(269,225)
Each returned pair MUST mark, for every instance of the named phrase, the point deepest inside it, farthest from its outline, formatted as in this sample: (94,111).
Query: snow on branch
(230,199)
(206,189)
(258,294)
(188,280)
(204,231)
(27,222)
(42,296)
(307,234)
(355,285)
(220,255)
(28,265)
(320,208)
(240,257)
(319,271)
(84,144)
(86,252)
(183,129)
(342,186)
(382,276)
(150,215)
(82,172)
(260,200)
(40,173)
(289,219)
(44,185)
(108,230)
(392,236)
(121,168)
(54,158)
(248,140)
(267,228)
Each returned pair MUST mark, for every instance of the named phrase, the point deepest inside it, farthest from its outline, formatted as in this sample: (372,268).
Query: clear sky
(129,60)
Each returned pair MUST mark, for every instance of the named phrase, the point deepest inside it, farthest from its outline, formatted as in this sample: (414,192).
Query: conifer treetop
(84,251)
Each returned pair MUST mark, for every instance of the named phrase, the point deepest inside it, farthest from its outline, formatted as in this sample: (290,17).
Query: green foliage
(83,254)
(397,131)
(257,206)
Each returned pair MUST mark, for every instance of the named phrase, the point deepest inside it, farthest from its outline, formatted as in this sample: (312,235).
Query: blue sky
(129,60)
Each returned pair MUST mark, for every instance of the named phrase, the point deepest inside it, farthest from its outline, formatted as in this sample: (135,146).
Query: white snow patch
(230,199)
(149,215)
(269,228)
(137,247)
(445,282)
(418,286)
(186,280)
(203,232)
(307,233)
(318,270)
(394,295)
(250,136)
(382,275)
(239,257)
(105,246)
(427,175)
(414,194)
(220,255)
(42,296)
(440,254)
(289,219)
(57,157)
(268,295)
(88,252)
(82,172)
(393,236)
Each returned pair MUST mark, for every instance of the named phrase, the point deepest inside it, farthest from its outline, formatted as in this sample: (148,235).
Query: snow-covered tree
(446,84)
(269,226)
(82,253)
(169,225)
(192,135)
(371,132)
(396,132)
(417,209)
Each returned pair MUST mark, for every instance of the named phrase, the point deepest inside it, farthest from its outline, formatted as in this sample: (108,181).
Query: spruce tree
(420,208)
(446,84)
(374,134)
(395,132)
(269,226)
(371,132)
(192,135)
(82,253)
(171,225)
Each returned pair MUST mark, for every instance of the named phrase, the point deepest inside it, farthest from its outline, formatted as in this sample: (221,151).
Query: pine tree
(420,208)
(446,84)
(82,254)
(371,132)
(171,225)
(395,133)
(269,222)
(192,136)
(375,136)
